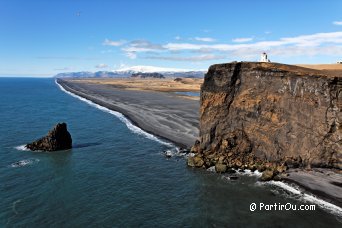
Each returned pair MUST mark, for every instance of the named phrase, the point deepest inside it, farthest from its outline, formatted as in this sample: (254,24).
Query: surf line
(135,129)
(305,197)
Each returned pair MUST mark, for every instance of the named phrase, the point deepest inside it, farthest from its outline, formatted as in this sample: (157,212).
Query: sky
(43,38)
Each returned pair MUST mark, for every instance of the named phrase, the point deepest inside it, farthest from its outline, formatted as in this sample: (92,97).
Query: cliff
(262,115)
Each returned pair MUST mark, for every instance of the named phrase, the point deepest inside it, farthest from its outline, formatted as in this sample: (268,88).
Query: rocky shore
(243,129)
(273,118)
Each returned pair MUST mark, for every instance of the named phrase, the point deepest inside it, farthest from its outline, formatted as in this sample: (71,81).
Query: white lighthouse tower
(264,58)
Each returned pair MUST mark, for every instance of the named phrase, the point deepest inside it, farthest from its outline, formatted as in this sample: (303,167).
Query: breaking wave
(305,197)
(120,116)
(24,162)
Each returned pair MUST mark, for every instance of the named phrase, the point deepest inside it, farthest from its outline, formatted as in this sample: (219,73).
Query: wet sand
(325,183)
(166,115)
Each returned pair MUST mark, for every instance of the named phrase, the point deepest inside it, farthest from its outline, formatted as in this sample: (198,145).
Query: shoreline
(321,195)
(166,123)
(129,124)
(323,183)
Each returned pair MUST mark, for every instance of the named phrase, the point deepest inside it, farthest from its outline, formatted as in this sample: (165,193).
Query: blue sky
(43,38)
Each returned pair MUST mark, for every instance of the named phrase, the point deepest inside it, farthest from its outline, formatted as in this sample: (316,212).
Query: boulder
(195,161)
(57,139)
(267,175)
(220,168)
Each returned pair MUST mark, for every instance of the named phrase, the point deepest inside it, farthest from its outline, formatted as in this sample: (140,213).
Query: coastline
(324,198)
(324,183)
(164,115)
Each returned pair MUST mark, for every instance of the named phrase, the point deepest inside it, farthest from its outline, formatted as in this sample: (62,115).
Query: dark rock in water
(267,175)
(57,139)
(233,177)
(220,168)
(231,171)
(184,150)
(277,178)
(168,153)
(195,161)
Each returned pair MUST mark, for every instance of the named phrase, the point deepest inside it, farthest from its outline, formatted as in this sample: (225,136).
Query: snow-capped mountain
(151,69)
(128,71)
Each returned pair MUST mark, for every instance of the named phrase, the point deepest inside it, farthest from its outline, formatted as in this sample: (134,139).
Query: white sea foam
(176,152)
(14,205)
(211,169)
(336,210)
(22,148)
(248,172)
(120,116)
(24,162)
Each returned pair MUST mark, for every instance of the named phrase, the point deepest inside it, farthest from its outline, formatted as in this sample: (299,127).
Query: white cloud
(313,40)
(205,39)
(178,38)
(64,68)
(142,46)
(329,43)
(337,22)
(131,55)
(188,58)
(150,69)
(115,43)
(242,40)
(101,66)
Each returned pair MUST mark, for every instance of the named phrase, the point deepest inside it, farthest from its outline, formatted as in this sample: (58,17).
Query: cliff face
(267,113)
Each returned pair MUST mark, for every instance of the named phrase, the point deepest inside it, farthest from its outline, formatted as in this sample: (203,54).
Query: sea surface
(117,176)
(191,94)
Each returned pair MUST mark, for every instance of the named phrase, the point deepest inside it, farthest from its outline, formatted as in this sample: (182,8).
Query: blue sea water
(115,177)
(191,94)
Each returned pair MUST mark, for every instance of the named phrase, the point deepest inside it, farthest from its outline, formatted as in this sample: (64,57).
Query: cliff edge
(268,115)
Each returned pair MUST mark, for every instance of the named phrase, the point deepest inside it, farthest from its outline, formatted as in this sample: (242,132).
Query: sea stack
(57,139)
(269,116)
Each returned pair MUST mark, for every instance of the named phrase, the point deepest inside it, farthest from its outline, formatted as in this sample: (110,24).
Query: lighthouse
(264,58)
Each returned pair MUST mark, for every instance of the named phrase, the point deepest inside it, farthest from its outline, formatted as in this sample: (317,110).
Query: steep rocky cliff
(260,115)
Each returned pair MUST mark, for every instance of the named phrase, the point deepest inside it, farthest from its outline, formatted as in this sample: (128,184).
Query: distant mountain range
(127,72)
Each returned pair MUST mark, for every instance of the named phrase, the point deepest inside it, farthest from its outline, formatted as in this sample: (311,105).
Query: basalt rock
(268,115)
(220,168)
(57,139)
(195,161)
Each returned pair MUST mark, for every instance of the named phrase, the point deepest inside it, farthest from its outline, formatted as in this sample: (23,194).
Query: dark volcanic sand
(163,114)
(322,182)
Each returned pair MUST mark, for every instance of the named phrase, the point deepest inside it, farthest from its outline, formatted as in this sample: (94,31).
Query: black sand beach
(325,183)
(166,115)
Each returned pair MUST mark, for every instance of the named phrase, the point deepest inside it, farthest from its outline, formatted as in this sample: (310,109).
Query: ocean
(116,175)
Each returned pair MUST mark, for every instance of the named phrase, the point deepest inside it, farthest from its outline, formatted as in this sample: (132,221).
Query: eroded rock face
(266,115)
(57,139)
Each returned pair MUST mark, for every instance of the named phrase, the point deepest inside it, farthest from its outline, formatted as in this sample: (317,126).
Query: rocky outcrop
(57,139)
(269,116)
